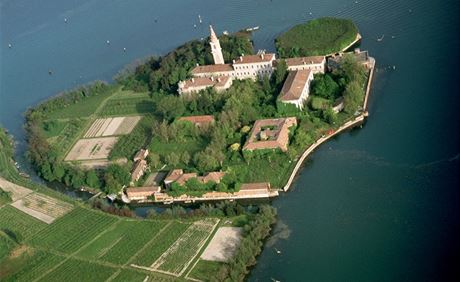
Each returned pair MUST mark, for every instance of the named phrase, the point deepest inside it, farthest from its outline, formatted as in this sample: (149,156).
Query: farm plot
(112,126)
(91,149)
(119,244)
(223,244)
(42,207)
(127,106)
(77,270)
(34,265)
(177,258)
(134,276)
(154,250)
(18,225)
(17,191)
(70,232)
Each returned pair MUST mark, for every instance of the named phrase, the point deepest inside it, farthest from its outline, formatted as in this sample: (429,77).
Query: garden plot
(42,207)
(179,256)
(17,191)
(91,149)
(112,126)
(223,244)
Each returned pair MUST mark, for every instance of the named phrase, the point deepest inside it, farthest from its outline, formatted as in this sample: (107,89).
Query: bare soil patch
(42,207)
(223,244)
(17,192)
(112,126)
(91,149)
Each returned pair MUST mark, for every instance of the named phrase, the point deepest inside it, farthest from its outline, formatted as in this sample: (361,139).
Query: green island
(317,37)
(211,122)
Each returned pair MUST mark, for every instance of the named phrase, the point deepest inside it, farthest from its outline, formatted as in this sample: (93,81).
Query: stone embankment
(357,120)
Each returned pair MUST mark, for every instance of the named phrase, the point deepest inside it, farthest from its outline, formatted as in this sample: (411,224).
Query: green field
(78,270)
(118,106)
(80,109)
(32,265)
(72,231)
(205,269)
(18,225)
(321,36)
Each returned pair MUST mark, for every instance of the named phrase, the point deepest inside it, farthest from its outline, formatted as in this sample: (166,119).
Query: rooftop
(250,59)
(204,82)
(294,85)
(212,68)
(304,60)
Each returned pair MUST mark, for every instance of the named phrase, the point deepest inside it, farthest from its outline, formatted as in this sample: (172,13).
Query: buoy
(50,72)
(194,25)
(394,67)
(124,49)
(108,41)
(65,20)
(9,45)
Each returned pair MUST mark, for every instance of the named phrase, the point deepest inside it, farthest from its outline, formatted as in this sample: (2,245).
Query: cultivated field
(223,244)
(179,256)
(42,207)
(112,126)
(18,223)
(17,192)
(91,149)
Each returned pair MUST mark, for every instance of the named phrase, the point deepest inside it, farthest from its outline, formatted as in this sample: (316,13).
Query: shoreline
(349,124)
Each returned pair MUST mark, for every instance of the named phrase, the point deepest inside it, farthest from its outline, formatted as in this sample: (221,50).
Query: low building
(362,57)
(138,170)
(141,155)
(270,134)
(197,84)
(296,88)
(141,193)
(250,189)
(178,176)
(338,105)
(213,70)
(199,120)
(317,64)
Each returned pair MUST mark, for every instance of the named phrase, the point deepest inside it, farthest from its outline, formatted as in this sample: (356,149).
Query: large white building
(296,88)
(251,66)
(317,64)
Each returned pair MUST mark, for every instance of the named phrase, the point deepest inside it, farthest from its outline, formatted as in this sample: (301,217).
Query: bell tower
(215,48)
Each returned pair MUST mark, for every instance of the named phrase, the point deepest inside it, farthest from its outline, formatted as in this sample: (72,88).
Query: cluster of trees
(161,74)
(5,197)
(194,187)
(316,37)
(255,231)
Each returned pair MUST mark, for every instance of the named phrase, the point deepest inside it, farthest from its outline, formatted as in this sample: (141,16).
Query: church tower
(215,48)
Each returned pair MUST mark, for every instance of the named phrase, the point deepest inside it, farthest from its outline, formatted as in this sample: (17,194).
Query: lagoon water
(380,203)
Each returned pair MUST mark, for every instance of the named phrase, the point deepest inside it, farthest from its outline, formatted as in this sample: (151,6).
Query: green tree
(280,72)
(185,157)
(329,115)
(352,97)
(92,180)
(324,86)
(170,107)
(205,162)
(172,159)
(154,160)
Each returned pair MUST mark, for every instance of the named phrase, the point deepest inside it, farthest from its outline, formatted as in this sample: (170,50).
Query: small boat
(394,67)
(65,20)
(124,49)
(381,38)
(199,19)
(108,41)
(9,45)
(252,28)
(225,32)
(194,25)
(277,251)
(274,280)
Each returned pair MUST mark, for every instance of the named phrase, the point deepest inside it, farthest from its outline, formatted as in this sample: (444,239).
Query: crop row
(72,231)
(68,134)
(184,249)
(127,106)
(76,270)
(161,244)
(34,266)
(18,225)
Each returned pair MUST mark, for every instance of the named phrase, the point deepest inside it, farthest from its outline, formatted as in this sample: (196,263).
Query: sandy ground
(91,149)
(38,215)
(17,192)
(113,126)
(223,244)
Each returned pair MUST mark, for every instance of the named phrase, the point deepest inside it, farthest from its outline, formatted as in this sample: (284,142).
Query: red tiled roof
(212,68)
(294,84)
(250,59)
(198,119)
(304,60)
(276,132)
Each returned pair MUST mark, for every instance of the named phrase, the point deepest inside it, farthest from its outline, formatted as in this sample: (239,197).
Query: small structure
(141,155)
(138,170)
(199,121)
(197,84)
(362,57)
(296,88)
(250,189)
(338,105)
(270,134)
(178,176)
(141,193)
(316,64)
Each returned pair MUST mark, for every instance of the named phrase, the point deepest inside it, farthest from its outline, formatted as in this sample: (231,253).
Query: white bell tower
(215,48)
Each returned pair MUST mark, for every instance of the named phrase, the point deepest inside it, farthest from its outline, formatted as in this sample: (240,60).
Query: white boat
(381,38)
(252,28)
(225,32)
(199,18)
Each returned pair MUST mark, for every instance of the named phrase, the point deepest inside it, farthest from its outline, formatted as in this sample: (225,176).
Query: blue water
(380,203)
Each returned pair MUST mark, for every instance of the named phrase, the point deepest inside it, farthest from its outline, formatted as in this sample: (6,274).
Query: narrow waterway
(379,203)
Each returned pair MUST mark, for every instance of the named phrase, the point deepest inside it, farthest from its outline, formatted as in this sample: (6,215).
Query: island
(207,124)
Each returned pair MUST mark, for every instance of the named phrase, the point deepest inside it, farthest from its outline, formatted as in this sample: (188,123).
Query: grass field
(127,106)
(204,270)
(316,37)
(68,134)
(78,270)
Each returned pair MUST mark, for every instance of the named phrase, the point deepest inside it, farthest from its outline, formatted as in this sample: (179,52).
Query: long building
(296,88)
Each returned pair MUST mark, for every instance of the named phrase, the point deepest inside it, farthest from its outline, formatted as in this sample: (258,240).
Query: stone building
(296,88)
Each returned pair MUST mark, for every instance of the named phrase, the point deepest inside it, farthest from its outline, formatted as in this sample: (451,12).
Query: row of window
(253,66)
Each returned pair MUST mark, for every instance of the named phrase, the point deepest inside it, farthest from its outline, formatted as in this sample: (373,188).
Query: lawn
(121,106)
(316,37)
